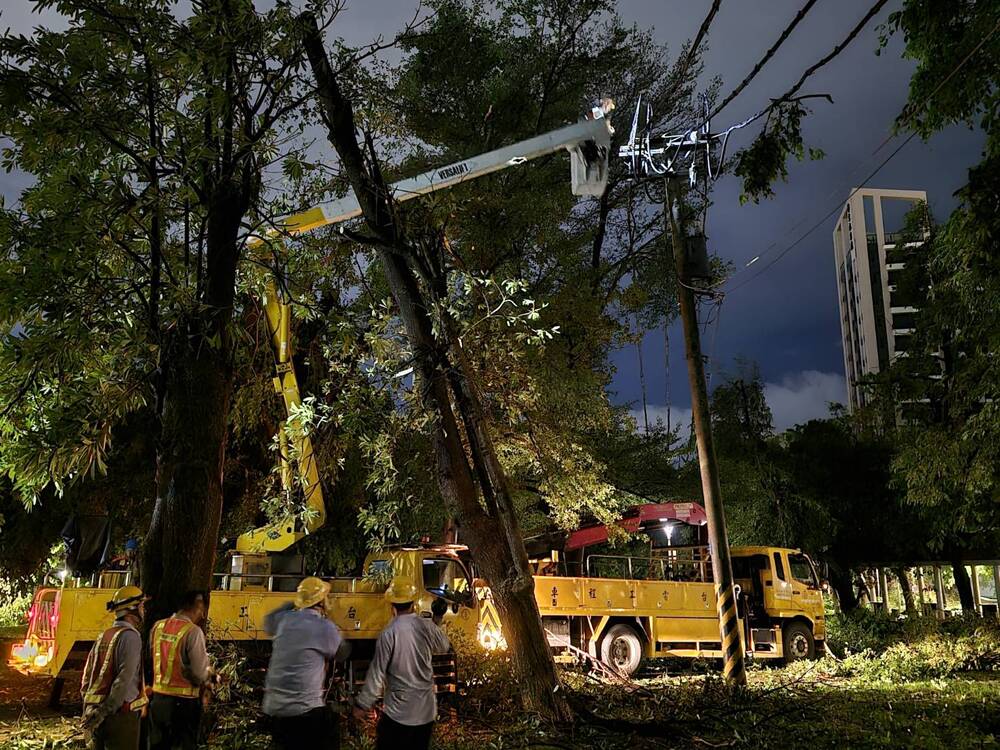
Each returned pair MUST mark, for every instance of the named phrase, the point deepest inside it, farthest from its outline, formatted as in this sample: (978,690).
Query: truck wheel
(798,642)
(621,647)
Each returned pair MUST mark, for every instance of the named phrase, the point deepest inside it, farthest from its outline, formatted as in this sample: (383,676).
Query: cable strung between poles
(765,59)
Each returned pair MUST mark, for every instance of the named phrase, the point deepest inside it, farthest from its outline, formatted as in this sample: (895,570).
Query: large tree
(145,136)
(950,451)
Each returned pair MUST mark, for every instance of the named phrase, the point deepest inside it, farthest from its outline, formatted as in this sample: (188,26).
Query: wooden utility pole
(731,635)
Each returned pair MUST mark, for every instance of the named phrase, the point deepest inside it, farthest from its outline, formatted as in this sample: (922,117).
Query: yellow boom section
(282,534)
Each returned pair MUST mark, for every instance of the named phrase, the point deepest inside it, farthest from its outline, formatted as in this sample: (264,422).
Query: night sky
(786,320)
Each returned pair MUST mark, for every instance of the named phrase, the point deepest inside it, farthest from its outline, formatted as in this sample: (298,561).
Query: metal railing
(225,581)
(42,617)
(657,568)
(252,579)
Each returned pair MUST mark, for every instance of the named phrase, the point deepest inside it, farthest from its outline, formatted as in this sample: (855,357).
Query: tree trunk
(197,378)
(964,586)
(843,583)
(179,552)
(865,595)
(446,378)
(904,586)
(493,536)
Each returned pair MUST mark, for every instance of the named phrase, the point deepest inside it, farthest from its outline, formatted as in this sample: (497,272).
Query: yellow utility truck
(64,621)
(656,598)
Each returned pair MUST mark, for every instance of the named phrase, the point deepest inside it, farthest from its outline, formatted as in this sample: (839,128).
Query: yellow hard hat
(401,592)
(311,592)
(125,599)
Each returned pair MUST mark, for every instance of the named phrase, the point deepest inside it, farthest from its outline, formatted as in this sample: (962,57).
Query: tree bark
(904,586)
(964,586)
(843,583)
(197,376)
(179,553)
(865,595)
(445,378)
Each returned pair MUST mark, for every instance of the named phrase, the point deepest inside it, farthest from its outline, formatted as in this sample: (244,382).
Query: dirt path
(26,721)
(19,693)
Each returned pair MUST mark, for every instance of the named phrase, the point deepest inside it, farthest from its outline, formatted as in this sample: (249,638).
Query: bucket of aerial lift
(588,166)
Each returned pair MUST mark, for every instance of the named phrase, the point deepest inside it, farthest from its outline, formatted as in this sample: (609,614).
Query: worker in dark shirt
(181,672)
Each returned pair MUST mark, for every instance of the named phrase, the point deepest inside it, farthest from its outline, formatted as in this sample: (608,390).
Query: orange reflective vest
(168,677)
(99,672)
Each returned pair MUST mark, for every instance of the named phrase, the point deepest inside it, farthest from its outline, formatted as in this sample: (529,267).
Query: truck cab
(781,601)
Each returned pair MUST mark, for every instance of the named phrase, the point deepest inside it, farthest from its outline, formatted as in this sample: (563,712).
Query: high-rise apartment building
(875,318)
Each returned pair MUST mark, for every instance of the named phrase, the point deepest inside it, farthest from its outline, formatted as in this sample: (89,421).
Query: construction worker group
(115,698)
(120,713)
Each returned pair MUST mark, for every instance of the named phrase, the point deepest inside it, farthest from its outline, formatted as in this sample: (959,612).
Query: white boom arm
(588,142)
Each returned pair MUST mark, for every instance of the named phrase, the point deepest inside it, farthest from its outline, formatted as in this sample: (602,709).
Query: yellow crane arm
(285,532)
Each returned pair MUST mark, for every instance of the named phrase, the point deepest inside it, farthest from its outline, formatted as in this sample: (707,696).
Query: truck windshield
(446,577)
(802,570)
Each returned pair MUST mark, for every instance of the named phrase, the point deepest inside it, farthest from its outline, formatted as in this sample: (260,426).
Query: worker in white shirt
(402,671)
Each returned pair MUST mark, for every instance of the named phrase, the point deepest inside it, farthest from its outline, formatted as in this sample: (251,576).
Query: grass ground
(810,705)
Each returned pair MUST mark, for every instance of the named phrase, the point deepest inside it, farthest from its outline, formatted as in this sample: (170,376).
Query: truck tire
(621,648)
(797,641)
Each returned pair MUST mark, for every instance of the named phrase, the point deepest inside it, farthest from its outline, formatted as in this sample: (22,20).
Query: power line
(699,38)
(822,221)
(913,112)
(833,53)
(765,59)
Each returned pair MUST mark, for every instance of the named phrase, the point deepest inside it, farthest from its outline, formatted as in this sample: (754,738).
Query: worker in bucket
(402,671)
(113,692)
(304,643)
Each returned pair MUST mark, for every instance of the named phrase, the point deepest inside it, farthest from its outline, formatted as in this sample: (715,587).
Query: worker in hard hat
(304,643)
(181,671)
(402,672)
(113,692)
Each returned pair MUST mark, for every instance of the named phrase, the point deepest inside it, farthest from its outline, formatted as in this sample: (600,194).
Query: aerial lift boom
(588,143)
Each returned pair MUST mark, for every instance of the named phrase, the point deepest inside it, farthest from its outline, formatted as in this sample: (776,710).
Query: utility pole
(731,635)
(648,156)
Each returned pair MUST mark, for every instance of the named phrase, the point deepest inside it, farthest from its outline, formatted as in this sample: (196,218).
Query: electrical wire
(840,203)
(666,367)
(833,53)
(699,38)
(765,59)
(838,207)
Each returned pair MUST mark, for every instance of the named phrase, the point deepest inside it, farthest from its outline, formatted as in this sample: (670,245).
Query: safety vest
(99,672)
(167,639)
